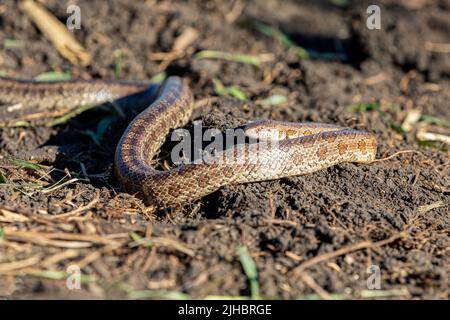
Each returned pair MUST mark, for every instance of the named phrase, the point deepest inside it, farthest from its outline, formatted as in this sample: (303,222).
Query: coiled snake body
(301,147)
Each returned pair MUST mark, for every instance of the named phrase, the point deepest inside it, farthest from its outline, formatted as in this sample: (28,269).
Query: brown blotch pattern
(291,133)
(342,147)
(322,152)
(362,146)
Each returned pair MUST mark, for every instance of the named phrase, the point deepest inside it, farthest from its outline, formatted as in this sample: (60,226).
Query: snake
(291,148)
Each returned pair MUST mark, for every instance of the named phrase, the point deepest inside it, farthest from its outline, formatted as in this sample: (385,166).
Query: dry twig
(56,32)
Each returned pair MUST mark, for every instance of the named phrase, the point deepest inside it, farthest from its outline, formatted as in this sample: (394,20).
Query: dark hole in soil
(330,48)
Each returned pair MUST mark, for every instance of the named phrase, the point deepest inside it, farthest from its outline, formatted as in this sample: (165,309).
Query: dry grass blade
(380,77)
(60,184)
(429,207)
(51,274)
(11,266)
(8,216)
(255,60)
(60,256)
(431,136)
(94,255)
(437,47)
(165,242)
(411,120)
(180,45)
(57,239)
(174,244)
(281,222)
(188,37)
(77,210)
(56,32)
(235,11)
(310,282)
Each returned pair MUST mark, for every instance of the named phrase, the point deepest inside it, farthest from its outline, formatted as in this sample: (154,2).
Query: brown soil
(392,213)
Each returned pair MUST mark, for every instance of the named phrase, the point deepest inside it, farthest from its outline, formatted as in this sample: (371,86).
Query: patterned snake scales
(301,147)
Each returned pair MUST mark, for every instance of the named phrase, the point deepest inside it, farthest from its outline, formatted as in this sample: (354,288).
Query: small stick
(358,246)
(10,266)
(310,282)
(78,210)
(431,136)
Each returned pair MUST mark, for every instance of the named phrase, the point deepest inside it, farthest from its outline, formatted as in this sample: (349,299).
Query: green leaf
(2,178)
(25,164)
(147,243)
(249,267)
(91,134)
(158,294)
(101,129)
(219,88)
(340,3)
(286,42)
(223,91)
(13,43)
(281,38)
(158,78)
(274,100)
(104,124)
(392,107)
(276,34)
(432,144)
(397,128)
(53,76)
(134,236)
(61,275)
(434,120)
(237,93)
(247,262)
(363,107)
(2,234)
(236,57)
(304,54)
(54,185)
(118,63)
(15,124)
